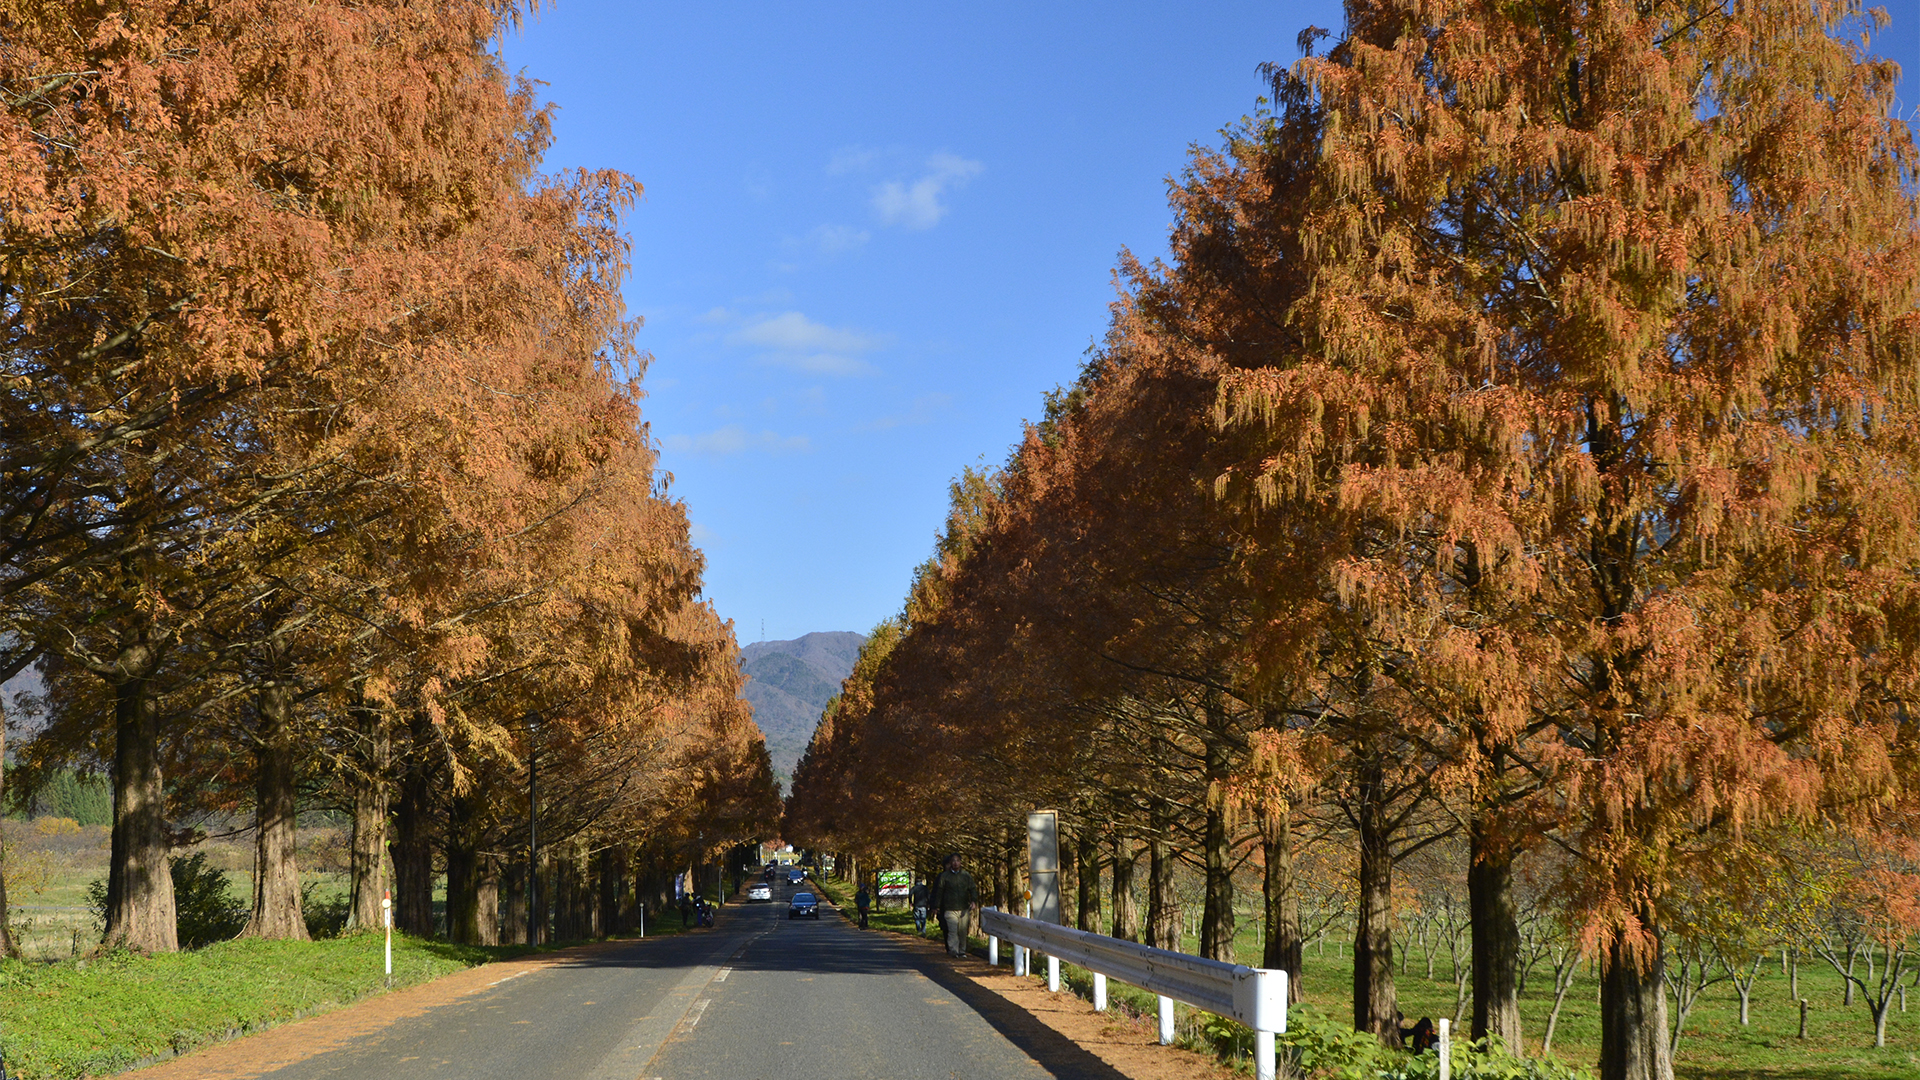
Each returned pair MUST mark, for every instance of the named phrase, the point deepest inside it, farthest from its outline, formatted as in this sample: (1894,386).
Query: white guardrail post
(1445,1046)
(1257,997)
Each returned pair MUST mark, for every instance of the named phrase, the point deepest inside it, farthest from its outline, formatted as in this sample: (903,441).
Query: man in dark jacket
(954,896)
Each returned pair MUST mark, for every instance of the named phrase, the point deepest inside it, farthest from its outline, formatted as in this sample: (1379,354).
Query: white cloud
(924,409)
(734,439)
(917,204)
(791,330)
(833,239)
(715,316)
(851,159)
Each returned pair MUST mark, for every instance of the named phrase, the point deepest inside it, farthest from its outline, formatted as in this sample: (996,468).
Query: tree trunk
(1283,947)
(513,903)
(1496,939)
(1216,918)
(367,857)
(140,911)
(276,873)
(463,872)
(1375,1006)
(489,896)
(1633,1013)
(1016,889)
(412,849)
(8,947)
(1088,867)
(1126,913)
(1163,912)
(609,875)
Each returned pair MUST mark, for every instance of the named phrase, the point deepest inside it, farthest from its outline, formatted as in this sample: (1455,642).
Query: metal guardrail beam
(1257,997)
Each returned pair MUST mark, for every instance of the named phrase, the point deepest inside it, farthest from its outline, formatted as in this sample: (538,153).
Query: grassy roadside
(107,1014)
(113,1012)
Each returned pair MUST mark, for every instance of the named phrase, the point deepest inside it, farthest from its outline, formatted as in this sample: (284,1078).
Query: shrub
(204,909)
(325,918)
(1320,1049)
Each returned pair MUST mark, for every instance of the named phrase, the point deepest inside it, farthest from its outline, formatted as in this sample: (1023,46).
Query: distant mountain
(790,683)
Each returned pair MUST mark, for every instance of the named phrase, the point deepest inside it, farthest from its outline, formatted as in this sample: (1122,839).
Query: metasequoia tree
(318,433)
(1613,305)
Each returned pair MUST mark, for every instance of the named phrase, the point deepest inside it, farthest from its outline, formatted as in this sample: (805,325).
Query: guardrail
(1257,997)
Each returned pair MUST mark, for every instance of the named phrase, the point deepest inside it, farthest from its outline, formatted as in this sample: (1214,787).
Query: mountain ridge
(789,683)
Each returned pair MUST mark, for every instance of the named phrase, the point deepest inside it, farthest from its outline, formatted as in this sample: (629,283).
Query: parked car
(803,903)
(760,892)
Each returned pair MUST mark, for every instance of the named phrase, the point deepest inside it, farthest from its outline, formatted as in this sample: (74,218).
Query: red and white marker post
(386,915)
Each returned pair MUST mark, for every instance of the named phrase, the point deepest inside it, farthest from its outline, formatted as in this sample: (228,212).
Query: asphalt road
(758,997)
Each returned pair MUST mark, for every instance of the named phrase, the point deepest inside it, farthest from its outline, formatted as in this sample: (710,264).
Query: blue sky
(873,235)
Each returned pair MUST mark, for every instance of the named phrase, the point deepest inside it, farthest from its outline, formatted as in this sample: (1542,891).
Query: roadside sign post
(1043,883)
(386,916)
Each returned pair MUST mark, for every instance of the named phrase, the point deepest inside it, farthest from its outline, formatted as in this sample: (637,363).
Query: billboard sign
(895,884)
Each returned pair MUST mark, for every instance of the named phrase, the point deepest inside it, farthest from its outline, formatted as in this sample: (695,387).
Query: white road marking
(693,1015)
(722,975)
(509,978)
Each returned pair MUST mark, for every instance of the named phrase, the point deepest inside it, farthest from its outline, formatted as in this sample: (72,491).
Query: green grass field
(1838,1046)
(105,1014)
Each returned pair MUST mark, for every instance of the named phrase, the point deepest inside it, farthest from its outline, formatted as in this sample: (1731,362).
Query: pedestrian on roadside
(919,897)
(686,910)
(954,897)
(861,901)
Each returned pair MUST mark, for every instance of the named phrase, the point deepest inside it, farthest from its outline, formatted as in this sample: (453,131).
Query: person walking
(919,898)
(954,897)
(861,901)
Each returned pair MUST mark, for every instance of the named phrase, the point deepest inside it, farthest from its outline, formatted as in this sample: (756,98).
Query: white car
(760,892)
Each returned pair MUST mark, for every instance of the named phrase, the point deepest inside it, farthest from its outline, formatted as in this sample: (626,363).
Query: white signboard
(1043,864)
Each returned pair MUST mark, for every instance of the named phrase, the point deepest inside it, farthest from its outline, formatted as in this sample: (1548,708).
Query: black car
(803,903)
(795,877)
